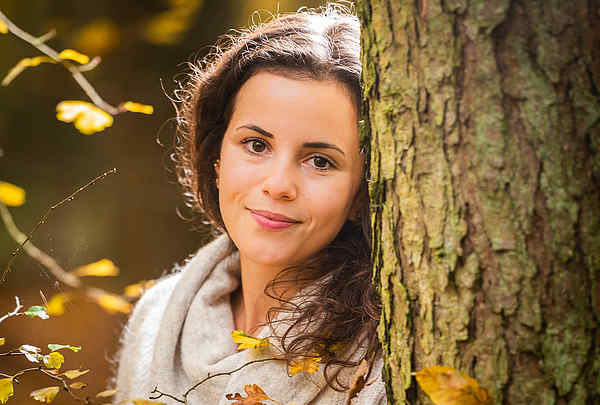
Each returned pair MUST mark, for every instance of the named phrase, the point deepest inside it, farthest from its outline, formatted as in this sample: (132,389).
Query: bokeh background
(130,218)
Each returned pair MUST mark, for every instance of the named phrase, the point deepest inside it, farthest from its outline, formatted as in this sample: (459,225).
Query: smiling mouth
(271,220)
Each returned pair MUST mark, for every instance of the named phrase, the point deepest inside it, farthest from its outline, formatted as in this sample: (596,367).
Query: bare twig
(65,386)
(27,370)
(163,394)
(15,312)
(39,44)
(25,244)
(208,377)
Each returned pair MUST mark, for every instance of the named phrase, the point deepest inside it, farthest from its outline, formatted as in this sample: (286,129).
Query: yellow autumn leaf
(166,28)
(447,386)
(137,289)
(106,394)
(3,30)
(78,385)
(114,303)
(6,389)
(72,374)
(246,341)
(98,37)
(11,195)
(45,394)
(56,306)
(139,401)
(24,64)
(308,365)
(101,268)
(74,55)
(88,118)
(54,360)
(2,341)
(137,107)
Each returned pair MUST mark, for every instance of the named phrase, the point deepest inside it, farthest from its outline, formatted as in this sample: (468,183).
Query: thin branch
(208,377)
(164,394)
(65,386)
(27,370)
(39,44)
(40,256)
(26,245)
(13,353)
(46,37)
(15,312)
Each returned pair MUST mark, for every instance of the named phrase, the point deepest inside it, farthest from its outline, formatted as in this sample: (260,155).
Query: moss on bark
(485,174)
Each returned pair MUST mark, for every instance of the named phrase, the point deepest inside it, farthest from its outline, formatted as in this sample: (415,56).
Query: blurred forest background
(129,218)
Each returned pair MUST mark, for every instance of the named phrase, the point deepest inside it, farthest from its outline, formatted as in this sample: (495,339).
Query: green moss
(565,349)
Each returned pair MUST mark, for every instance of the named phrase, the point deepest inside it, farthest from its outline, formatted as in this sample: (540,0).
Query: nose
(280,182)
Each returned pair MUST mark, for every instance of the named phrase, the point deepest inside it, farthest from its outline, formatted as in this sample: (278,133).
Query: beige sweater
(180,332)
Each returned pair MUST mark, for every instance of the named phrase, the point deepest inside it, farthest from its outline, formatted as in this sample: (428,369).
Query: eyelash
(249,141)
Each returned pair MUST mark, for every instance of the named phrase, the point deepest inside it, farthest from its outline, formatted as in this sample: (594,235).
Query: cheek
(331,203)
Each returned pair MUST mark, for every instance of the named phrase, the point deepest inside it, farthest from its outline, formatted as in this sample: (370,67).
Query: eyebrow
(322,145)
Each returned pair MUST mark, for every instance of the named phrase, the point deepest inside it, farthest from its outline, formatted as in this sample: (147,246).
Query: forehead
(320,109)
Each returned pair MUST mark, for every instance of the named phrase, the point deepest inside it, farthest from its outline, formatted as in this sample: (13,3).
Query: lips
(272,220)
(274,216)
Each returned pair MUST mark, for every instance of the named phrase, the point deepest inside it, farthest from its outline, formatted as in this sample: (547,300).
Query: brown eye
(321,163)
(258,146)
(255,145)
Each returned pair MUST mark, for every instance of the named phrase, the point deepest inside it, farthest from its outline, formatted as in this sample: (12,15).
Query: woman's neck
(250,304)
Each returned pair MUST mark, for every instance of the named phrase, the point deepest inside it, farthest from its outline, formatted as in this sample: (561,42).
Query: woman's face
(290,168)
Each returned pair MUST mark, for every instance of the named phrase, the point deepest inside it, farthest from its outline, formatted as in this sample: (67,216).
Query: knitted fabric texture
(180,332)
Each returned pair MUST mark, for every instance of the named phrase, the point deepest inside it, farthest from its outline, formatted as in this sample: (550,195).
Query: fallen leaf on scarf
(45,394)
(247,341)
(358,380)
(447,386)
(138,401)
(308,364)
(255,396)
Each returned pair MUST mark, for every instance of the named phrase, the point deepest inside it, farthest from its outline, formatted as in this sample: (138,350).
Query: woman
(269,153)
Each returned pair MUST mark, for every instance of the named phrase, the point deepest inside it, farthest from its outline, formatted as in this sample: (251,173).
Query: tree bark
(484,118)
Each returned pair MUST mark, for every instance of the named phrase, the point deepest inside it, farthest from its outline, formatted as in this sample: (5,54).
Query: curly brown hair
(322,44)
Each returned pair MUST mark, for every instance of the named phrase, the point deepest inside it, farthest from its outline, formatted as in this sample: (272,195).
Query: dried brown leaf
(358,380)
(255,396)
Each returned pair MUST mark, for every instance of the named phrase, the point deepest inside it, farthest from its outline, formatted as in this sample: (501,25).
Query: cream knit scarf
(180,332)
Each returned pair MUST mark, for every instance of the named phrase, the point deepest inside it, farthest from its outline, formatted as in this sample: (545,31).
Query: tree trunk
(485,171)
